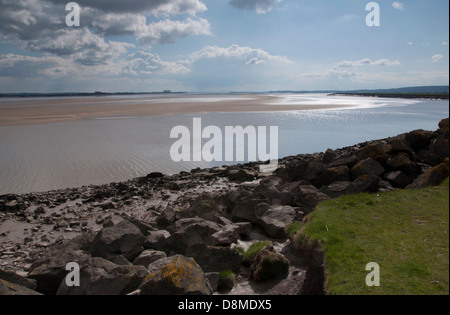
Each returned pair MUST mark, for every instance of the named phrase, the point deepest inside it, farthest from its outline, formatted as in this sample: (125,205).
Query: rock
(293,171)
(338,189)
(385,186)
(227,235)
(272,181)
(181,276)
(366,183)
(213,279)
(315,168)
(147,257)
(269,265)
(308,197)
(375,151)
(121,261)
(157,240)
(102,277)
(112,220)
(213,258)
(418,139)
(155,175)
(121,239)
(428,158)
(368,166)
(245,210)
(14,278)
(8,288)
(432,177)
(166,218)
(196,233)
(398,179)
(444,125)
(439,147)
(348,161)
(401,162)
(50,269)
(275,220)
(12,206)
(226,282)
(241,175)
(274,195)
(203,207)
(399,146)
(329,156)
(331,175)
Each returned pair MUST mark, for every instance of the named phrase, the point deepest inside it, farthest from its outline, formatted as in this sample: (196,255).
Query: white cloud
(367,62)
(39,25)
(149,63)
(169,31)
(437,58)
(444,43)
(260,6)
(398,5)
(246,54)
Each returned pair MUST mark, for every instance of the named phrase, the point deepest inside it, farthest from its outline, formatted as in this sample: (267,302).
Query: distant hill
(410,90)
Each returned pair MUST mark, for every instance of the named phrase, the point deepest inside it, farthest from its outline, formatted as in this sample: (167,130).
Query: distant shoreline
(431,96)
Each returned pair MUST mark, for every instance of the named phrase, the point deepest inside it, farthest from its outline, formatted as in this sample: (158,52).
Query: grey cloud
(140,6)
(260,6)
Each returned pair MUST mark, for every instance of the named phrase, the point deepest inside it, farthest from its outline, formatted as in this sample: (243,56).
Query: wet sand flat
(47,110)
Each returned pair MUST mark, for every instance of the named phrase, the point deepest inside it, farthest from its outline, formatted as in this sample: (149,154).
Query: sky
(221,45)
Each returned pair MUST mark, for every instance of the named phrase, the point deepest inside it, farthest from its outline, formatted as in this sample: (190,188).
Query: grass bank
(406,232)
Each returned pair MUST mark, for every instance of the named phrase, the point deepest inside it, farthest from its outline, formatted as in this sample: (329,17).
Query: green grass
(406,232)
(227,274)
(293,228)
(253,250)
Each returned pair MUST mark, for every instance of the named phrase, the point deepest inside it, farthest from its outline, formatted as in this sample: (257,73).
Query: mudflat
(47,110)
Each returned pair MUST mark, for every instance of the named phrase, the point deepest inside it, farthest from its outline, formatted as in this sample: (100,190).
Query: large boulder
(196,233)
(215,259)
(123,238)
(180,276)
(273,194)
(330,156)
(308,197)
(401,162)
(8,288)
(419,139)
(147,257)
(348,161)
(157,240)
(203,207)
(241,175)
(50,268)
(375,151)
(432,177)
(331,175)
(293,171)
(228,234)
(398,179)
(245,210)
(275,220)
(102,277)
(368,166)
(315,168)
(269,265)
(14,278)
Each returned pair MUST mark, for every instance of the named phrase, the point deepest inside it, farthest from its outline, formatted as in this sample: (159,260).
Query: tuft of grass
(406,232)
(227,274)
(254,250)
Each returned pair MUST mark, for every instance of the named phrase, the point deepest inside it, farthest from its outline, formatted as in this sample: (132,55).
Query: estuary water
(101,150)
